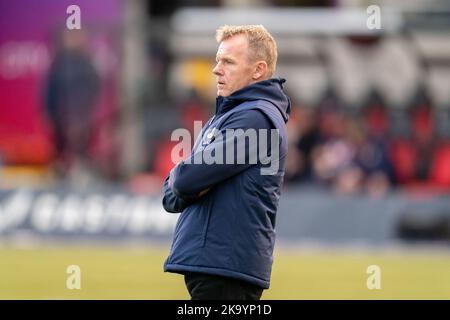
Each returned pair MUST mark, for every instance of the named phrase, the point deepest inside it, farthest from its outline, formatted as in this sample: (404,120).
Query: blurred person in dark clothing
(304,138)
(348,160)
(371,158)
(72,89)
(332,157)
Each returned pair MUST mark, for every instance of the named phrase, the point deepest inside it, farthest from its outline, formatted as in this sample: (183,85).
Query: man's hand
(203,192)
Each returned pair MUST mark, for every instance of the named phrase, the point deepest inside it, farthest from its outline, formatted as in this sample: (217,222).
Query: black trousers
(203,286)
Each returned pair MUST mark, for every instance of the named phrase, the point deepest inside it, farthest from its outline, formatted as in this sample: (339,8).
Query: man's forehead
(234,45)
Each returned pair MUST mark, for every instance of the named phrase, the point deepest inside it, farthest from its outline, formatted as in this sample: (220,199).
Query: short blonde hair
(262,45)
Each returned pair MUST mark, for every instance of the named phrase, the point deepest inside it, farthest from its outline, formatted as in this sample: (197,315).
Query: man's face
(233,69)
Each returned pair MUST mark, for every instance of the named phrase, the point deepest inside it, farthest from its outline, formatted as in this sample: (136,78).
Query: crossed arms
(189,181)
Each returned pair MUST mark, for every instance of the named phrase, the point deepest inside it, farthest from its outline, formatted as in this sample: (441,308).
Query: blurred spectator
(371,158)
(72,90)
(348,159)
(333,157)
(303,137)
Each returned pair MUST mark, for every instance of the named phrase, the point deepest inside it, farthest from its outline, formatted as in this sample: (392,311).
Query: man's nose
(217,71)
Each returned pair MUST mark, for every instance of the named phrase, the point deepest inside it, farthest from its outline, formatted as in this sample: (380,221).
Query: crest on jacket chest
(209,136)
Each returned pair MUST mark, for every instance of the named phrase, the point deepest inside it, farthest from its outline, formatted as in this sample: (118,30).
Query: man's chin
(222,93)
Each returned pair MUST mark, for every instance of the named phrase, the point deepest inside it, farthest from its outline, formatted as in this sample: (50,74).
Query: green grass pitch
(136,273)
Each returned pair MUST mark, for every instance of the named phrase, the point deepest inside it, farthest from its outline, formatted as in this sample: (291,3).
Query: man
(225,236)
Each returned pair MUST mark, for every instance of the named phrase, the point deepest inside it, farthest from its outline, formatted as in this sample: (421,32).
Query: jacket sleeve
(170,201)
(190,178)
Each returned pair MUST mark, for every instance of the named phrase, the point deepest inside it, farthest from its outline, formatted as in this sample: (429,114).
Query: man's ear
(260,70)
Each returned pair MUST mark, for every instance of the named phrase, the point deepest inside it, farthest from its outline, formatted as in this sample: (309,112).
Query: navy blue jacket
(227,224)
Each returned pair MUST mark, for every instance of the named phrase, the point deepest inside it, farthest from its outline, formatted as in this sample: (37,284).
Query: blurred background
(86,117)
